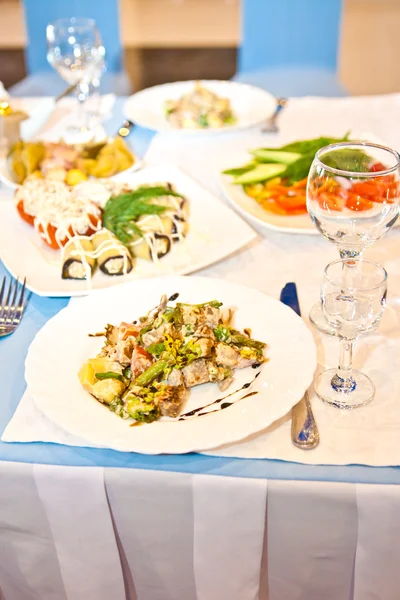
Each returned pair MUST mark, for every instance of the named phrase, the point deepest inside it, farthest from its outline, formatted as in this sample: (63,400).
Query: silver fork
(11,308)
(270,125)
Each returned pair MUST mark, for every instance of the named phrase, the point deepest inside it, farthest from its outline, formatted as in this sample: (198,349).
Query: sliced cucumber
(260,173)
(236,171)
(275,156)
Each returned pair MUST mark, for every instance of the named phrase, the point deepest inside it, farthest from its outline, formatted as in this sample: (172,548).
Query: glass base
(317,318)
(358,392)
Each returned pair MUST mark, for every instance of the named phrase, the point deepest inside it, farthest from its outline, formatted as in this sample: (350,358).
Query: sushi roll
(184,209)
(152,246)
(156,224)
(112,256)
(78,261)
(180,228)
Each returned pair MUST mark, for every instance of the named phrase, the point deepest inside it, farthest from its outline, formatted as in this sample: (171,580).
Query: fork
(270,125)
(11,309)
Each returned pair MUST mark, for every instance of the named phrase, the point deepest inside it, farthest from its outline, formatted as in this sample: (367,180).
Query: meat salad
(146,368)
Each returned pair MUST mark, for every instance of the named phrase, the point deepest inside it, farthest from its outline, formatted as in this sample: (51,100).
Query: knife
(305,434)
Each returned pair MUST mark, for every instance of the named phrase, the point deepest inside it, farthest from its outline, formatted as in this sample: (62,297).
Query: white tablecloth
(73,533)
(88,533)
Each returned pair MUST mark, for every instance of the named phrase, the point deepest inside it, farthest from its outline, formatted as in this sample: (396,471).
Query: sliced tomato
(357,203)
(24,215)
(130,332)
(377,167)
(96,222)
(300,184)
(143,352)
(272,206)
(331,201)
(376,191)
(290,203)
(48,235)
(368,189)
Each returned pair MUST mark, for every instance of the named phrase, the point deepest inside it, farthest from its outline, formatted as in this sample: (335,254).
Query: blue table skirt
(13,350)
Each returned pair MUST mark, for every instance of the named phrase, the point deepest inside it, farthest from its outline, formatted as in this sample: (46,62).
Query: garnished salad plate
(268,184)
(170,365)
(200,107)
(69,240)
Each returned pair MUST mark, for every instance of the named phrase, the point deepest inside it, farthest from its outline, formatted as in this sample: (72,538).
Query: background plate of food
(204,107)
(191,372)
(70,163)
(69,240)
(268,184)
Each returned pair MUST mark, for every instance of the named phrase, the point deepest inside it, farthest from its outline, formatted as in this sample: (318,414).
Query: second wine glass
(75,50)
(353,306)
(353,199)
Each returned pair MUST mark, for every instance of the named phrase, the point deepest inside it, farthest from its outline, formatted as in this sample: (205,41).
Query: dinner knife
(305,434)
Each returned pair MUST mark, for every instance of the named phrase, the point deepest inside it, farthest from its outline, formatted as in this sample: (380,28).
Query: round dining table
(81,523)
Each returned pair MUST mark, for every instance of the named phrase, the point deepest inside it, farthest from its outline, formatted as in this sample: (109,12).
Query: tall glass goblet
(353,195)
(75,50)
(352,310)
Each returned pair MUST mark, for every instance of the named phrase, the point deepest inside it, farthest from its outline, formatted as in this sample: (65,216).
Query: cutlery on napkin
(305,434)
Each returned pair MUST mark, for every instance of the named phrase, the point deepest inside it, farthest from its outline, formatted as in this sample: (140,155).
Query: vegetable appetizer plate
(282,380)
(250,209)
(250,105)
(215,232)
(7,179)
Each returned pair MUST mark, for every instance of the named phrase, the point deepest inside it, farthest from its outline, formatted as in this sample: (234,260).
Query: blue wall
(289,33)
(38,13)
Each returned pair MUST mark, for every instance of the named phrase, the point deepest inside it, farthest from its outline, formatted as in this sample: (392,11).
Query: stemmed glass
(353,306)
(75,50)
(353,199)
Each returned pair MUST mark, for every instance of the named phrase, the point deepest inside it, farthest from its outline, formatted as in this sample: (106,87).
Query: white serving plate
(250,209)
(215,232)
(52,368)
(251,105)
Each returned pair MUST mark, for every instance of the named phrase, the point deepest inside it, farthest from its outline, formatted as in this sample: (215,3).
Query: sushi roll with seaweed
(112,256)
(78,261)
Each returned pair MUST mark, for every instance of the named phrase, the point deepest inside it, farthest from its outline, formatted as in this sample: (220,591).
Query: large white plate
(250,104)
(52,367)
(250,209)
(215,231)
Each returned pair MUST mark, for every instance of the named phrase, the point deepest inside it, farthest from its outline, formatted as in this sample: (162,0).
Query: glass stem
(82,95)
(348,266)
(343,380)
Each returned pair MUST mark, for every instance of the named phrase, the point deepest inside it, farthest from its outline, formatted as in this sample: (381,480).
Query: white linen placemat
(365,436)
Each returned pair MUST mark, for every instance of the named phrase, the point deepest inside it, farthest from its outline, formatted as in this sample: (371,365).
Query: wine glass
(353,194)
(353,300)
(75,51)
